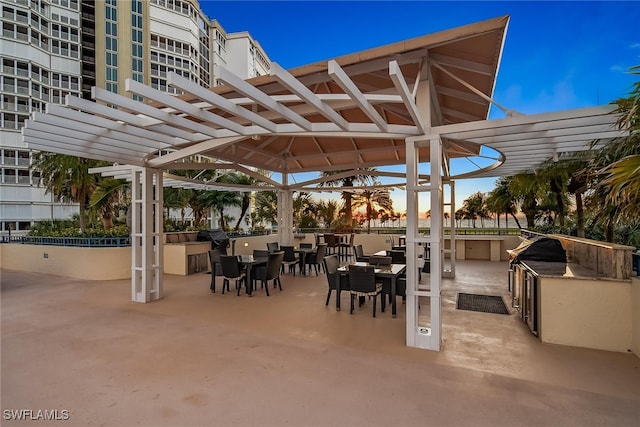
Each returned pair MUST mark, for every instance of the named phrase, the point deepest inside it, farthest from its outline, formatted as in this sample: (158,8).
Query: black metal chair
(315,258)
(332,242)
(346,248)
(260,253)
(290,259)
(397,257)
(362,283)
(360,256)
(271,271)
(379,260)
(273,247)
(334,278)
(216,267)
(231,270)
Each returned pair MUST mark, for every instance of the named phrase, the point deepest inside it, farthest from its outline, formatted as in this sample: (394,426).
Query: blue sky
(557,55)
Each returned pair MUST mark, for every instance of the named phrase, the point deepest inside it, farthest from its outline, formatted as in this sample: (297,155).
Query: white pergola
(419,101)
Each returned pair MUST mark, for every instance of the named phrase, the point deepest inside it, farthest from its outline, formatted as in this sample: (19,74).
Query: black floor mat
(484,303)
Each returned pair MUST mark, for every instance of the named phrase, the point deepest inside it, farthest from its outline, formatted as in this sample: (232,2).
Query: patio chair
(216,267)
(315,258)
(346,248)
(332,242)
(273,247)
(397,257)
(362,283)
(379,260)
(360,256)
(271,271)
(290,259)
(260,253)
(334,278)
(231,270)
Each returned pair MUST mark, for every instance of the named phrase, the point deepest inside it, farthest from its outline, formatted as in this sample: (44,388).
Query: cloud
(617,69)
(635,46)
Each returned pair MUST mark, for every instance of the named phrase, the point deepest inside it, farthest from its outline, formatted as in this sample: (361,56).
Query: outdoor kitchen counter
(569,270)
(570,304)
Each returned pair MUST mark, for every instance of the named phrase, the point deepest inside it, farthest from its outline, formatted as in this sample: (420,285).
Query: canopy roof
(350,112)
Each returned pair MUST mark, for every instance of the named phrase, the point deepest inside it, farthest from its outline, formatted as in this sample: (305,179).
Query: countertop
(568,270)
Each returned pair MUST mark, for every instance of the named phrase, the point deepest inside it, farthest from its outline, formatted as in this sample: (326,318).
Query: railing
(85,242)
(402,230)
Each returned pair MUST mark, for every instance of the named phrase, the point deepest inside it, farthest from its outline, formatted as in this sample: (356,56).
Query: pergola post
(451,272)
(285,213)
(146,235)
(423,336)
(435,240)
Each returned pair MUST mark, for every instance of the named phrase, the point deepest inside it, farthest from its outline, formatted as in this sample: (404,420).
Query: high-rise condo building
(54,48)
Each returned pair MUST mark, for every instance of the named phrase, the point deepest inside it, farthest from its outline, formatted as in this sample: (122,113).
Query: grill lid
(541,249)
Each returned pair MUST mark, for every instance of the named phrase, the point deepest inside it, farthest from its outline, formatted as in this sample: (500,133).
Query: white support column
(146,235)
(285,217)
(285,213)
(427,337)
(435,240)
(452,231)
(412,311)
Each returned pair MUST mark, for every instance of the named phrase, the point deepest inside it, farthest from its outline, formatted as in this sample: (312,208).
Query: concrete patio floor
(201,359)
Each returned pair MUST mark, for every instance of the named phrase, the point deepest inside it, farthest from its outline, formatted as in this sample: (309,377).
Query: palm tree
(245,199)
(374,200)
(327,211)
(175,198)
(474,207)
(349,181)
(501,201)
(68,179)
(266,207)
(613,185)
(526,188)
(218,200)
(107,195)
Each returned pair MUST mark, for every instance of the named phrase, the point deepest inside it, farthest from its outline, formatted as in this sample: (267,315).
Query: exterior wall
(492,248)
(43,73)
(78,263)
(19,204)
(586,313)
(635,307)
(245,56)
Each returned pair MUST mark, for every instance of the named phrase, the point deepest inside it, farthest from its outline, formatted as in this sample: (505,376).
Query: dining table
(390,271)
(250,262)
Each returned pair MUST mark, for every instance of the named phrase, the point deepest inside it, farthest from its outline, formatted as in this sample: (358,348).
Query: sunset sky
(557,55)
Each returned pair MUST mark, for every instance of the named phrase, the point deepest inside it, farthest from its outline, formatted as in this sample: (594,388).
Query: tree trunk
(107,222)
(609,231)
(83,207)
(579,215)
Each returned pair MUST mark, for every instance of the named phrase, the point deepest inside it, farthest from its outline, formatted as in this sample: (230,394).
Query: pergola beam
(346,84)
(297,88)
(230,79)
(187,108)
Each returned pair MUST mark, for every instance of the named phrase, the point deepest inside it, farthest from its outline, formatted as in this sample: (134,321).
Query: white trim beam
(192,150)
(219,101)
(348,86)
(395,73)
(180,122)
(186,108)
(297,88)
(153,125)
(230,79)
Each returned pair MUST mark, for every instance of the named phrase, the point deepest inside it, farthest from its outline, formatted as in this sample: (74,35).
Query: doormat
(484,303)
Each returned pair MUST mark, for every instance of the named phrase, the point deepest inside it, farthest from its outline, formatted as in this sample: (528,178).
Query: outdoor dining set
(346,266)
